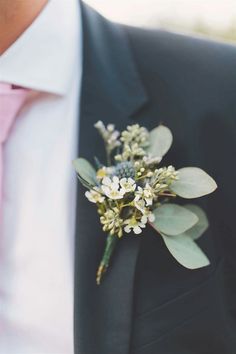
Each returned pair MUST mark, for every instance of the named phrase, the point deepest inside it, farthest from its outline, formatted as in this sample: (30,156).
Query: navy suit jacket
(148,303)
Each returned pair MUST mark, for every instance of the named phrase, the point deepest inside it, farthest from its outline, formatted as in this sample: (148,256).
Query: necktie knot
(12,99)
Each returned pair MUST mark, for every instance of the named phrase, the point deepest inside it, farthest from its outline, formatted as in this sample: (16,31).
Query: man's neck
(15,17)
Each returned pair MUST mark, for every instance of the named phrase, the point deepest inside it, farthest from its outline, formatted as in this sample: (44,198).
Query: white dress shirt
(37,228)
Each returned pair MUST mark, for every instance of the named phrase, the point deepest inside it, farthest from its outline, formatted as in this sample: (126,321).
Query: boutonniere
(133,189)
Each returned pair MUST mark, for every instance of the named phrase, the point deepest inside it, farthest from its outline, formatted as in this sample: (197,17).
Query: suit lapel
(112,92)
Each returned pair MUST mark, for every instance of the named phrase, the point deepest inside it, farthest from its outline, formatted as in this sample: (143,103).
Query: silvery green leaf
(172,219)
(186,251)
(201,226)
(160,141)
(84,183)
(86,172)
(193,182)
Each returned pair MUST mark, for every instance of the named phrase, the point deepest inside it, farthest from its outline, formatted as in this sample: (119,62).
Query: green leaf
(186,251)
(84,183)
(201,226)
(172,219)
(193,183)
(86,172)
(160,141)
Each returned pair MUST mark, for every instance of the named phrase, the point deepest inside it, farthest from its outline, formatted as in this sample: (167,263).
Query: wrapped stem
(109,249)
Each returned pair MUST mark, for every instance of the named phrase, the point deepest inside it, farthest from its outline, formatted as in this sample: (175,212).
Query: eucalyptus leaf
(201,226)
(161,140)
(193,182)
(86,172)
(186,251)
(85,183)
(172,219)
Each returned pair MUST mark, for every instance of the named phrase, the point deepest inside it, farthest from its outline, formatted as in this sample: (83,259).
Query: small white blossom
(100,126)
(135,225)
(128,185)
(140,205)
(147,214)
(129,151)
(111,127)
(109,135)
(133,149)
(95,196)
(114,181)
(164,176)
(151,160)
(111,188)
(135,134)
(147,193)
(104,171)
(112,222)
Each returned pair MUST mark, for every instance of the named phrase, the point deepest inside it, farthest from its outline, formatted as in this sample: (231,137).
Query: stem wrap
(109,249)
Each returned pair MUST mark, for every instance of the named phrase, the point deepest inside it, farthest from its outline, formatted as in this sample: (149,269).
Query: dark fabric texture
(148,303)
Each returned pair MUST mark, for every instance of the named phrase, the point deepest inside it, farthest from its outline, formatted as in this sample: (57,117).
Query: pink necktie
(11,100)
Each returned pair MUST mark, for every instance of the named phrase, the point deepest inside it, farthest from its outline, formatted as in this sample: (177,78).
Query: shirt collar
(44,56)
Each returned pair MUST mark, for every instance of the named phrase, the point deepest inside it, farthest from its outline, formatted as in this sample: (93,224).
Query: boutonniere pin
(133,190)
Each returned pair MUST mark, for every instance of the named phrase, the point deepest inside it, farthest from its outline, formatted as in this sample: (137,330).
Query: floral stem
(108,153)
(109,249)
(126,205)
(167,194)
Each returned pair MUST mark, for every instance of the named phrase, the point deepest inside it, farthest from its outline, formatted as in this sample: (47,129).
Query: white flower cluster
(128,192)
(114,191)
(115,188)
(134,140)
(112,222)
(163,177)
(112,188)
(132,190)
(109,135)
(135,134)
